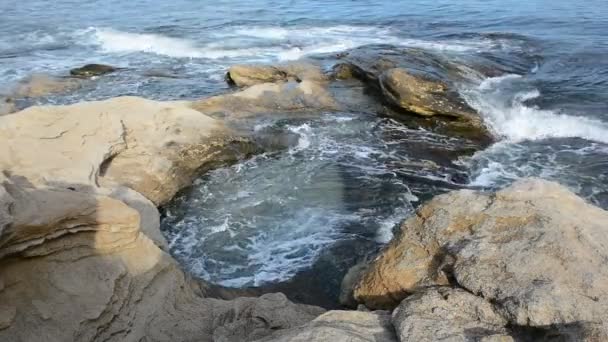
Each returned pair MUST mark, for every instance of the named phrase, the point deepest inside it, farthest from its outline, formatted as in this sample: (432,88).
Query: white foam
(509,117)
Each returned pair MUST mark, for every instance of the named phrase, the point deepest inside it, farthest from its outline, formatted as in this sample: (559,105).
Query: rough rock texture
(270,98)
(412,79)
(81,254)
(152,147)
(423,95)
(341,326)
(445,314)
(535,250)
(248,75)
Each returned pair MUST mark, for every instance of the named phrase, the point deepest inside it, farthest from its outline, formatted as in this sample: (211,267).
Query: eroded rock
(535,250)
(341,326)
(445,314)
(81,253)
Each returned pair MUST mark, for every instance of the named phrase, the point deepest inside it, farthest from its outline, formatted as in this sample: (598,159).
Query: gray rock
(341,326)
(446,314)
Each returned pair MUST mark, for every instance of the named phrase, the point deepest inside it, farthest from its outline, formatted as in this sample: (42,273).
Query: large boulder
(535,250)
(341,326)
(446,314)
(81,253)
(152,147)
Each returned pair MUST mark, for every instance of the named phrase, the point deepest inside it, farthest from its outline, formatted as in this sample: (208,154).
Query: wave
(505,112)
(268,43)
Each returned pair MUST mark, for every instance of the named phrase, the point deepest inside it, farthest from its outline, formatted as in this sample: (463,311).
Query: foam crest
(508,115)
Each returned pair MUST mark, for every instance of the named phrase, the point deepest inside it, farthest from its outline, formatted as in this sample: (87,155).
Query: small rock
(91,70)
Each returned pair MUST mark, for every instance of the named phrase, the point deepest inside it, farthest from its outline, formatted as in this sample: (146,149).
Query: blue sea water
(550,121)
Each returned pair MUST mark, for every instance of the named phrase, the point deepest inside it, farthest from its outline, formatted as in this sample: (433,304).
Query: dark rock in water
(91,70)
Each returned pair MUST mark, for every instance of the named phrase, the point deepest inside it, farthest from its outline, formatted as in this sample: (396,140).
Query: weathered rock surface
(445,314)
(81,254)
(270,98)
(248,75)
(91,70)
(535,250)
(412,79)
(341,326)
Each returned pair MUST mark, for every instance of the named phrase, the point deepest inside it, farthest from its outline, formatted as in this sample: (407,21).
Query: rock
(305,96)
(445,314)
(81,253)
(248,75)
(153,147)
(341,326)
(534,249)
(7,105)
(413,79)
(39,85)
(91,70)
(349,282)
(424,96)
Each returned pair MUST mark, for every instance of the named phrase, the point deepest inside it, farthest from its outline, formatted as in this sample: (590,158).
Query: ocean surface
(335,193)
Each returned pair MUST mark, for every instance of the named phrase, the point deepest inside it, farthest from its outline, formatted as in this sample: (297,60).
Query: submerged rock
(7,105)
(39,85)
(91,70)
(534,250)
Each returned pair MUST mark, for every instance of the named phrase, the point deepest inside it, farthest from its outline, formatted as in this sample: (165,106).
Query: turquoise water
(270,218)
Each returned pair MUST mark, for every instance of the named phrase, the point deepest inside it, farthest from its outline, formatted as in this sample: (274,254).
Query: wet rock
(248,75)
(535,250)
(415,80)
(424,96)
(7,106)
(91,70)
(39,85)
(349,282)
(446,314)
(341,326)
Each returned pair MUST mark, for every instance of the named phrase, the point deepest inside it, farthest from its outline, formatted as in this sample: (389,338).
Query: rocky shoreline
(82,257)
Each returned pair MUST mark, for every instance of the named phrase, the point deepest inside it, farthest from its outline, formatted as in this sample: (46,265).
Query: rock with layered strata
(152,147)
(81,253)
(535,250)
(341,326)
